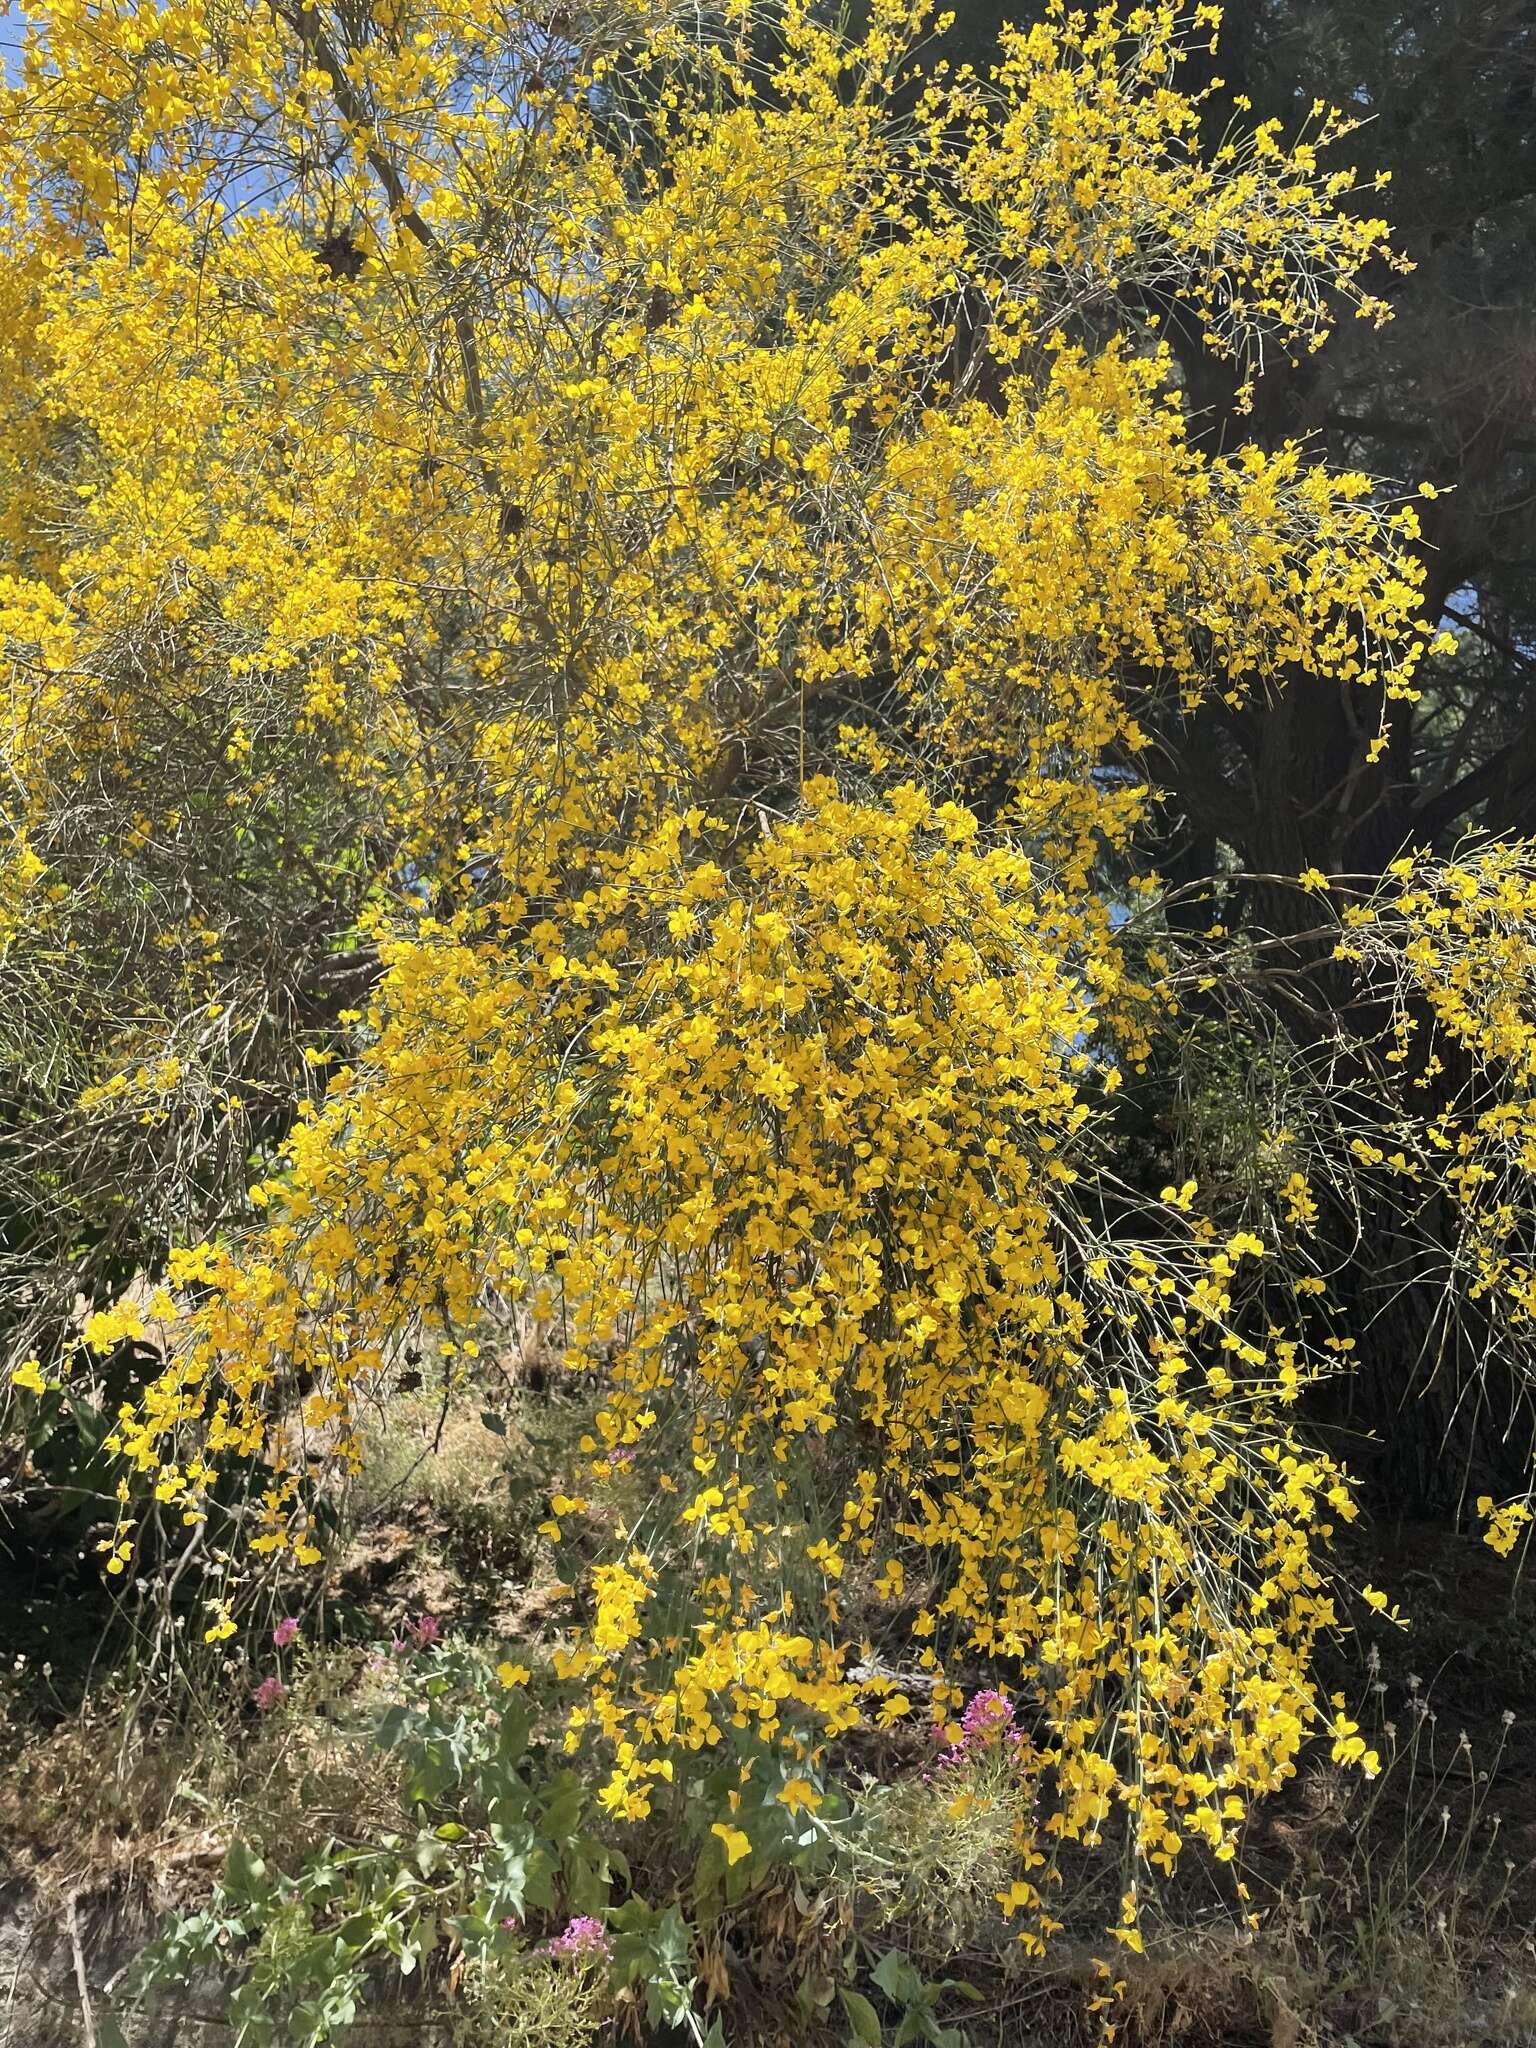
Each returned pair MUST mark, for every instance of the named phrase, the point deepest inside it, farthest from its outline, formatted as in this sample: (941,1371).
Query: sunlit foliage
(665,532)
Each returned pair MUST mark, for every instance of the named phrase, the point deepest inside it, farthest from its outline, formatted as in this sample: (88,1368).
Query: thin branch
(87,2015)
(305,24)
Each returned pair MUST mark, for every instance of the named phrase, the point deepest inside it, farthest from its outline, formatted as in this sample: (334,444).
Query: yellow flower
(796,1793)
(736,1843)
(1505,1524)
(1019,1896)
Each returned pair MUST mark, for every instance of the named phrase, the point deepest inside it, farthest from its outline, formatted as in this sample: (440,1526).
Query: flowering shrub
(685,576)
(908,1258)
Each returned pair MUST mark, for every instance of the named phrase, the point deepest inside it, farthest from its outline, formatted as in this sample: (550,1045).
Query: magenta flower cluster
(584,1940)
(987,1725)
(421,1632)
(987,1715)
(272,1689)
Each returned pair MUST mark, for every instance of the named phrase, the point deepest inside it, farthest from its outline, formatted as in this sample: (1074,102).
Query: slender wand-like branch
(306,24)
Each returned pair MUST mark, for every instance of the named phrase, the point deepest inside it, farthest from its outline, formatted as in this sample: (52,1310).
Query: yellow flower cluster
(656,505)
(812,1198)
(1447,956)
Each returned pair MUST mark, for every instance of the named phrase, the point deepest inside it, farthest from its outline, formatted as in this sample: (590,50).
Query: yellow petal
(798,1792)
(736,1843)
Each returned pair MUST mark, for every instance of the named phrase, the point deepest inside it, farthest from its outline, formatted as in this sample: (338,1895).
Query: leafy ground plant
(487,1895)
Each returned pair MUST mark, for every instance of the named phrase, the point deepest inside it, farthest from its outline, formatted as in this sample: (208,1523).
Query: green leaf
(245,1875)
(708,1871)
(408,1949)
(586,1886)
(541,1880)
(673,1944)
(512,1737)
(495,1423)
(898,1979)
(739,1879)
(862,2017)
(396,1724)
(562,1806)
(358,1930)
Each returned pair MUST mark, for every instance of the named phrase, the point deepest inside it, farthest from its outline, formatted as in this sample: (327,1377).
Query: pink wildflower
(269,1692)
(584,1939)
(988,1718)
(425,1631)
(286,1631)
(987,1715)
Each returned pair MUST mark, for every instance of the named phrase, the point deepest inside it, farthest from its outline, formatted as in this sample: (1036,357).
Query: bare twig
(87,2015)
